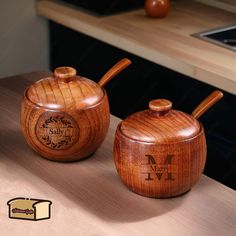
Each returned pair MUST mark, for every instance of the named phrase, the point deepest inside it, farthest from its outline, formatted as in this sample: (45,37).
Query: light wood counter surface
(164,41)
(88,197)
(228,5)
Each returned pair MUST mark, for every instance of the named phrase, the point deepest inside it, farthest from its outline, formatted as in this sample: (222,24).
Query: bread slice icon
(29,209)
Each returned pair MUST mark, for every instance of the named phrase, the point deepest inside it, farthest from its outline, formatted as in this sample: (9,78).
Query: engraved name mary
(57,130)
(159,169)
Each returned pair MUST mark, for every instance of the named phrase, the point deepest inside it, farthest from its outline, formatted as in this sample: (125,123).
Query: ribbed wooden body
(160,170)
(67,134)
(66,117)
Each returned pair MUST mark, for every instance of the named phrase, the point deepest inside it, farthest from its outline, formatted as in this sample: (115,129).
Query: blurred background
(24,41)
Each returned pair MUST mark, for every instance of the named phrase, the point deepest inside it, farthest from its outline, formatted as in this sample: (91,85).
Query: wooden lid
(65,90)
(160,124)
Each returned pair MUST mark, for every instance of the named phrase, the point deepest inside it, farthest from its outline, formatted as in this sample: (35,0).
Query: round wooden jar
(160,152)
(65,117)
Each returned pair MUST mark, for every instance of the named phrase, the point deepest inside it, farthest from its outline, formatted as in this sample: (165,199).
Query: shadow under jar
(161,152)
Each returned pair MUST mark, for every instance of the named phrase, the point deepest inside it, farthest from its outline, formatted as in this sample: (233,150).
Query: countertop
(229,5)
(167,42)
(88,197)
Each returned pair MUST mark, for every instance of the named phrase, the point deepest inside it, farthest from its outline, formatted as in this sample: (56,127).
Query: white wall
(24,45)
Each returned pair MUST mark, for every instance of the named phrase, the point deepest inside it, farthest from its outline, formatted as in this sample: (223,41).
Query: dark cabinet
(106,7)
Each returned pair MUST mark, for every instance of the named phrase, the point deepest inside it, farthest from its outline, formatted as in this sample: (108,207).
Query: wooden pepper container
(65,117)
(161,152)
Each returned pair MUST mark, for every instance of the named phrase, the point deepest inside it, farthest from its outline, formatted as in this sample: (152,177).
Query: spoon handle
(207,103)
(116,69)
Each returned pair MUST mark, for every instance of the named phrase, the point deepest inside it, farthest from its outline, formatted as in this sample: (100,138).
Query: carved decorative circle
(57,130)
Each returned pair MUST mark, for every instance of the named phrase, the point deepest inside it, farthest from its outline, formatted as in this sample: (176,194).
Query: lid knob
(65,74)
(160,106)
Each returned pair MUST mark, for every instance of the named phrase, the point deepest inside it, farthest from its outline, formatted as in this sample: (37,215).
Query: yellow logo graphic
(29,209)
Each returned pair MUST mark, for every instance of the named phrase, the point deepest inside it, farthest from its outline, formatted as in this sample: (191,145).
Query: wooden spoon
(207,103)
(116,69)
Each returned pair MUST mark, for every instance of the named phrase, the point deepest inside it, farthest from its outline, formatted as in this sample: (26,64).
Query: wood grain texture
(166,41)
(65,74)
(160,156)
(51,93)
(228,5)
(65,119)
(88,197)
(162,152)
(207,103)
(156,127)
(159,170)
(115,70)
